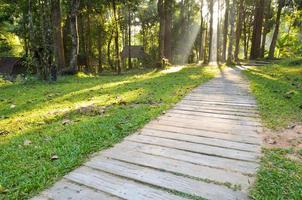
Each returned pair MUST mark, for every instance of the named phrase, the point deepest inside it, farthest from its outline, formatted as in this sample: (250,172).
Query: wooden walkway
(207,146)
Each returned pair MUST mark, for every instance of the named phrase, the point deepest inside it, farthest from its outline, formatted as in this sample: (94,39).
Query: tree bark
(232,33)
(58,34)
(168,29)
(161,14)
(116,38)
(211,4)
(276,32)
(238,29)
(257,30)
(218,32)
(129,39)
(99,69)
(201,32)
(265,27)
(225,30)
(74,6)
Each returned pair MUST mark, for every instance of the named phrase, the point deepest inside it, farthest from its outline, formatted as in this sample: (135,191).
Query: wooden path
(207,146)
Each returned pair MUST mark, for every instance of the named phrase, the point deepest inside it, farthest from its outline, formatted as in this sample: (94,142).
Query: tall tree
(276,32)
(116,37)
(225,30)
(129,37)
(74,6)
(201,31)
(257,29)
(58,34)
(211,5)
(232,33)
(168,29)
(266,26)
(161,14)
(240,10)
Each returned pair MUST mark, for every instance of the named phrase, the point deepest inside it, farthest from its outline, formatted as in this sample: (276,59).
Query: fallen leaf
(27,142)
(3,190)
(54,157)
(66,122)
(4,132)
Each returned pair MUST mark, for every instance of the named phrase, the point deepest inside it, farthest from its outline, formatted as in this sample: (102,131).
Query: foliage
(40,120)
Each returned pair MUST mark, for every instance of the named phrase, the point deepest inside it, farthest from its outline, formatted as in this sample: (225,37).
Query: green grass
(35,111)
(278,178)
(278,90)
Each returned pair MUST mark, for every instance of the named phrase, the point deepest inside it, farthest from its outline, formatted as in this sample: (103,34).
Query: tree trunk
(88,36)
(205,57)
(129,39)
(58,34)
(245,37)
(218,32)
(168,29)
(265,27)
(201,33)
(161,14)
(225,30)
(238,29)
(276,32)
(116,38)
(74,6)
(108,50)
(99,69)
(211,4)
(257,30)
(232,33)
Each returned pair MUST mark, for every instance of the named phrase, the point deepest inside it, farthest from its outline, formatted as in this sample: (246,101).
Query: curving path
(207,146)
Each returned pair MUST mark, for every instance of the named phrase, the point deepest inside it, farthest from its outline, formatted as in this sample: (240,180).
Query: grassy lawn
(49,129)
(278,89)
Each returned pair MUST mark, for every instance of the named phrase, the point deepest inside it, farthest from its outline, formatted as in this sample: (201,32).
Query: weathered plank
(196,158)
(196,148)
(65,189)
(165,180)
(209,127)
(203,140)
(180,167)
(217,119)
(117,186)
(205,133)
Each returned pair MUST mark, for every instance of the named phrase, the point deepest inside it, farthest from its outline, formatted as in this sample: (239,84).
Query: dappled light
(150,99)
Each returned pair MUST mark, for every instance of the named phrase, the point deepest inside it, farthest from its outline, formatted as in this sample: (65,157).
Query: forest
(151,99)
(90,35)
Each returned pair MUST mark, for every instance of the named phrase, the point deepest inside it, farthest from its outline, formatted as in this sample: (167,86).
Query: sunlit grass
(40,110)
(278,89)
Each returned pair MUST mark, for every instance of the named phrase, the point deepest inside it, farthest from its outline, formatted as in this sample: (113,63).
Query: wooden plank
(121,187)
(181,167)
(221,100)
(205,133)
(218,119)
(202,140)
(209,127)
(197,103)
(196,148)
(242,112)
(195,158)
(242,105)
(65,189)
(221,96)
(165,180)
(212,112)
